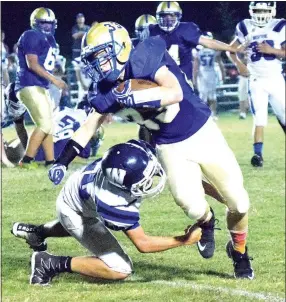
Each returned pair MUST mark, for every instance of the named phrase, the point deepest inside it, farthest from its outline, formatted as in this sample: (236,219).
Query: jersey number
(50,60)
(256,56)
(174,53)
(207,60)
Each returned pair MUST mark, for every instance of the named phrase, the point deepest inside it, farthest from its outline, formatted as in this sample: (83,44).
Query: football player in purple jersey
(37,54)
(181,127)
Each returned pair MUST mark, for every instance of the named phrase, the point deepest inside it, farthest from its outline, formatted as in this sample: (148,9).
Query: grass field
(175,275)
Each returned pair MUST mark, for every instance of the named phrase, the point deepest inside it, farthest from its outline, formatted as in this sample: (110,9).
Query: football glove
(57,173)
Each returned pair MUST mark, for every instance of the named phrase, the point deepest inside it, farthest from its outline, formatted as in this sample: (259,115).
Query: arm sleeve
(31,43)
(192,33)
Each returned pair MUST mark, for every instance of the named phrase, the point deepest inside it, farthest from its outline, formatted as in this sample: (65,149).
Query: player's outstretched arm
(242,68)
(151,244)
(74,146)
(218,45)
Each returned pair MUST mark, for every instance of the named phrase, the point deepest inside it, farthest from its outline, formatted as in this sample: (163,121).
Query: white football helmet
(262,12)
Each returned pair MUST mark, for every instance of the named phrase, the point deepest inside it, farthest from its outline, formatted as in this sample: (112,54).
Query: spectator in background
(78,31)
(2,42)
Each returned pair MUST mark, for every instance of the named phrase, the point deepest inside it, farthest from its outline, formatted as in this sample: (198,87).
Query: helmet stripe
(168,4)
(146,18)
(47,10)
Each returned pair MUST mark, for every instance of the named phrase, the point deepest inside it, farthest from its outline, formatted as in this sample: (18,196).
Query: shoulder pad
(147,56)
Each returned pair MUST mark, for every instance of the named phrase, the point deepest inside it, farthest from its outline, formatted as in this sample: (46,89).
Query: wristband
(71,150)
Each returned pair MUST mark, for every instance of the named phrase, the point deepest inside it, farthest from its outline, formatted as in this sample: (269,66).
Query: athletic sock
(257,147)
(27,159)
(238,241)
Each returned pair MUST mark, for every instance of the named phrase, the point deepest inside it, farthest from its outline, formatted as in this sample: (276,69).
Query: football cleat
(242,116)
(30,233)
(206,245)
(257,161)
(44,267)
(241,263)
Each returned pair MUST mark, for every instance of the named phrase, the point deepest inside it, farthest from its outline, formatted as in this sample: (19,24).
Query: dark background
(220,17)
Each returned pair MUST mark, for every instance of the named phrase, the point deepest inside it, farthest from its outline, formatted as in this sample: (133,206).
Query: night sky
(218,17)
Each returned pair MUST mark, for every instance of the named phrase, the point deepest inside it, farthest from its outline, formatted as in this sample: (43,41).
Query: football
(137,84)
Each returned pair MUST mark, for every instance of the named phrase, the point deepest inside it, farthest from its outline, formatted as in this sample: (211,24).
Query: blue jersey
(180,43)
(44,46)
(168,125)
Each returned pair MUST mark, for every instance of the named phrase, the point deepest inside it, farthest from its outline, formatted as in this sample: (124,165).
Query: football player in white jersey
(103,196)
(264,40)
(205,75)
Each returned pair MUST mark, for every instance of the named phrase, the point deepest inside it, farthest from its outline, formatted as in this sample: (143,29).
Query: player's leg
(185,182)
(211,93)
(276,90)
(221,169)
(37,101)
(243,96)
(109,261)
(258,98)
(35,235)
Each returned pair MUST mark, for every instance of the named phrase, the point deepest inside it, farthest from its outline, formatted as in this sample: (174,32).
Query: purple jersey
(44,46)
(168,125)
(180,43)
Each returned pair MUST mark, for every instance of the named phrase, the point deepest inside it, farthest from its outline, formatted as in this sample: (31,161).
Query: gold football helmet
(106,42)
(168,15)
(44,20)
(143,22)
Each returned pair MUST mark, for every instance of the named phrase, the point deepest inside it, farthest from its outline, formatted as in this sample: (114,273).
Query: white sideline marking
(234,292)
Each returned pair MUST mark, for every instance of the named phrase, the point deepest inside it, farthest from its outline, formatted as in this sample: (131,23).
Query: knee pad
(118,263)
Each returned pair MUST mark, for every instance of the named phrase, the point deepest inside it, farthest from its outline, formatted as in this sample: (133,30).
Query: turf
(175,275)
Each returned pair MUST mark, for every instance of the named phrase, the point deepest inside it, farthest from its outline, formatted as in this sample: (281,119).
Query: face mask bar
(168,21)
(40,25)
(261,18)
(144,187)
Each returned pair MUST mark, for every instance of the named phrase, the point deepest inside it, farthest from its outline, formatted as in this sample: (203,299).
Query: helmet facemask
(46,27)
(168,21)
(147,186)
(262,12)
(96,57)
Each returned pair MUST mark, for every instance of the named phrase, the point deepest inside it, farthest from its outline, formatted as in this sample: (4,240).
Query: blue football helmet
(133,167)
(44,20)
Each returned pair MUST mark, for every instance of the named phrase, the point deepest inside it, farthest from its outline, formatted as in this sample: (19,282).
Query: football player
(205,75)
(65,123)
(13,112)
(264,40)
(36,52)
(180,37)
(141,24)
(181,126)
(103,196)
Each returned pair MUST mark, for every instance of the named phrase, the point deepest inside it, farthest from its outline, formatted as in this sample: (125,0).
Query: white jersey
(61,61)
(206,59)
(89,189)
(79,65)
(274,32)
(66,122)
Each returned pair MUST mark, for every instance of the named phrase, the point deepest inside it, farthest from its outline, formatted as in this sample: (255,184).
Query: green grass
(175,275)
